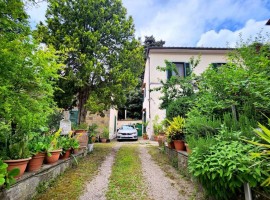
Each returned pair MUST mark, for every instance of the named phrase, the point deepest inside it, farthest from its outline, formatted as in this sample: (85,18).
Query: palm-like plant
(175,130)
(263,133)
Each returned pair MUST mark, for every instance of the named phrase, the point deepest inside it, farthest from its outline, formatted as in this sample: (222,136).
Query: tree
(96,40)
(27,72)
(133,106)
(150,41)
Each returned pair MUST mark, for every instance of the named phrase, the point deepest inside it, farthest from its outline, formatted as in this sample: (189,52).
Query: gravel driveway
(159,186)
(96,189)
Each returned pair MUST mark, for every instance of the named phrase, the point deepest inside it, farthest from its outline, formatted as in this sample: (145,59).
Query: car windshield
(127,128)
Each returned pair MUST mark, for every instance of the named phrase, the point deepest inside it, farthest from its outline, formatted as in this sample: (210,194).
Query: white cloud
(190,22)
(227,38)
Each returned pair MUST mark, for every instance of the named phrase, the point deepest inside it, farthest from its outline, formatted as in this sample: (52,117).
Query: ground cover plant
(126,181)
(71,183)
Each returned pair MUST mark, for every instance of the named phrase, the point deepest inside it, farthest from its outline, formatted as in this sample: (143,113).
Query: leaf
(14,172)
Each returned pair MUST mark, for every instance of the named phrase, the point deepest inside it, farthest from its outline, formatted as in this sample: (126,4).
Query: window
(182,68)
(216,65)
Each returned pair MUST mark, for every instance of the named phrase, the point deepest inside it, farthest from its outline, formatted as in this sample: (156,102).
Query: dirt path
(159,186)
(96,189)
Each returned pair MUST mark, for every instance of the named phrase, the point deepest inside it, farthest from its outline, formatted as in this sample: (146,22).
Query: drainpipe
(149,85)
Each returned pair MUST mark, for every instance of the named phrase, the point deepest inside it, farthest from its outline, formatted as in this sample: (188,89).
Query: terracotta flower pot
(103,140)
(188,149)
(36,162)
(179,145)
(82,137)
(20,164)
(171,145)
(54,157)
(66,154)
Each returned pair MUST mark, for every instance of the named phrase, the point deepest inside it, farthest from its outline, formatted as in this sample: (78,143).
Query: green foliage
(28,73)
(37,143)
(105,133)
(158,126)
(81,126)
(175,129)
(201,125)
(224,167)
(92,132)
(264,151)
(102,57)
(7,178)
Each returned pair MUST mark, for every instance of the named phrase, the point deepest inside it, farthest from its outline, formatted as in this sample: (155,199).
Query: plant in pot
(66,146)
(92,132)
(81,134)
(14,149)
(105,135)
(53,147)
(37,147)
(145,136)
(74,144)
(175,131)
(158,128)
(190,142)
(7,177)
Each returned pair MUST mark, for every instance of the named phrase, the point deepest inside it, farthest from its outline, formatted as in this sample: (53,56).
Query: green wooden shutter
(214,65)
(187,69)
(169,74)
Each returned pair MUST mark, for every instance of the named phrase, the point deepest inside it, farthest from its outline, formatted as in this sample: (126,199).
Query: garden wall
(179,160)
(25,187)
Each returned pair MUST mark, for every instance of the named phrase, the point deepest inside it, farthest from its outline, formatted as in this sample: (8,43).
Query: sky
(192,23)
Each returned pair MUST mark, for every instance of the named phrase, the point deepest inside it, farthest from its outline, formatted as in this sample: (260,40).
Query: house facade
(156,56)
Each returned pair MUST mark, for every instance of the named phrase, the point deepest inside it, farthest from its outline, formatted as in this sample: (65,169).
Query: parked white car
(127,132)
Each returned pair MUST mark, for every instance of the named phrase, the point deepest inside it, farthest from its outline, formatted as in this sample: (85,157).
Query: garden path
(96,189)
(161,186)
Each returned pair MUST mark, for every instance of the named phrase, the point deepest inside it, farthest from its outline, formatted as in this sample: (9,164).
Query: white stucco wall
(152,76)
(113,115)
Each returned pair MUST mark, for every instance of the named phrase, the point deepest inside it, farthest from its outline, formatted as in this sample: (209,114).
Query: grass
(126,181)
(71,183)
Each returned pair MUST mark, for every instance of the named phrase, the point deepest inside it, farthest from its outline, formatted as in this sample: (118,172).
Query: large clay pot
(103,140)
(20,164)
(54,157)
(82,137)
(171,145)
(66,154)
(36,162)
(179,145)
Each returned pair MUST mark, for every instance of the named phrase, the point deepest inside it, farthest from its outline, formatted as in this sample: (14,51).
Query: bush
(224,167)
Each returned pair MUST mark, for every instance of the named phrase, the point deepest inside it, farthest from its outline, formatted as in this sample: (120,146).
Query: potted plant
(66,146)
(175,131)
(105,135)
(7,177)
(81,134)
(92,132)
(74,144)
(145,136)
(14,147)
(37,148)
(53,147)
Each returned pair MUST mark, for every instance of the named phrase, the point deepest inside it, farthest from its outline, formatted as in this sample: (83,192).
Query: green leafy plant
(175,130)
(53,142)
(264,134)
(158,126)
(105,133)
(92,132)
(7,177)
(81,126)
(224,167)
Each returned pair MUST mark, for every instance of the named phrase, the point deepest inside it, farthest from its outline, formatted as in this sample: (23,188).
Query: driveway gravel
(96,189)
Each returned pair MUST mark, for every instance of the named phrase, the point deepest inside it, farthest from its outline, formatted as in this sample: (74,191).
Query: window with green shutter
(216,65)
(183,69)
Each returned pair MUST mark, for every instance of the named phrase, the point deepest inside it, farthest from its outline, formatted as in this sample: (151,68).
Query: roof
(166,49)
(268,22)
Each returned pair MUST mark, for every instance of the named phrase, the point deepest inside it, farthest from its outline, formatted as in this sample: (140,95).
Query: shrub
(224,167)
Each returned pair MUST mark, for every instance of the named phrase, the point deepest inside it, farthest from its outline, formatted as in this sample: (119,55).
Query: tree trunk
(83,97)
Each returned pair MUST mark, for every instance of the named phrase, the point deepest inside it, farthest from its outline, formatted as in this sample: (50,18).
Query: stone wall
(25,187)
